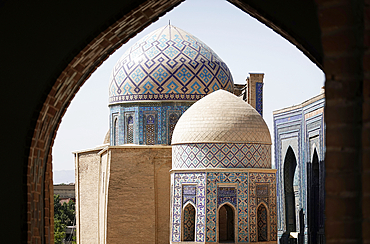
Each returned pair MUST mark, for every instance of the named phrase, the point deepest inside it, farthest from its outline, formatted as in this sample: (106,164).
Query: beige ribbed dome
(221,117)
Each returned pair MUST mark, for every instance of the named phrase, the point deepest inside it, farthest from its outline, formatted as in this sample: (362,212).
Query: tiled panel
(162,111)
(254,192)
(259,97)
(241,180)
(227,194)
(221,156)
(197,179)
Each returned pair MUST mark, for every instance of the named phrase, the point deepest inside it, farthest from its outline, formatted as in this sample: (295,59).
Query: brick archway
(343,40)
(39,169)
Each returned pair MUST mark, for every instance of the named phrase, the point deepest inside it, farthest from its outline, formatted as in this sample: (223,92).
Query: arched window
(188,224)
(172,120)
(314,200)
(115,131)
(226,225)
(290,164)
(130,130)
(150,130)
(262,224)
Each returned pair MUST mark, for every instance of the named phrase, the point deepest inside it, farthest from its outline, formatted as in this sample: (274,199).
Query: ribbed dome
(168,64)
(221,117)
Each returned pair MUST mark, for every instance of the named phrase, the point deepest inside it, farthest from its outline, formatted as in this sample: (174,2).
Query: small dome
(168,64)
(221,117)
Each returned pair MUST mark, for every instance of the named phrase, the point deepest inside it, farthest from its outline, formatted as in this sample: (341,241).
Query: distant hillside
(63,176)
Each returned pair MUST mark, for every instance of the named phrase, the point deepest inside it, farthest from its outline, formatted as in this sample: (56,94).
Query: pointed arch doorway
(188,226)
(290,164)
(226,224)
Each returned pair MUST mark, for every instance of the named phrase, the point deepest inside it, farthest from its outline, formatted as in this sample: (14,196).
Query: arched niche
(226,223)
(262,223)
(188,222)
(290,165)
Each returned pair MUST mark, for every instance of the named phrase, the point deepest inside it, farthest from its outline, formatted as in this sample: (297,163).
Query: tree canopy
(64,215)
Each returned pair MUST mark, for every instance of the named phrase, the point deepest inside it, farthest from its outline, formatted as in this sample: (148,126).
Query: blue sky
(242,42)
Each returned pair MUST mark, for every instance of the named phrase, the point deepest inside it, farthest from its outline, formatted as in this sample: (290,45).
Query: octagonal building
(222,186)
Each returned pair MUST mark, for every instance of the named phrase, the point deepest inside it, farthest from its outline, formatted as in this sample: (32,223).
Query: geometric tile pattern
(197,179)
(262,192)
(222,155)
(259,97)
(262,223)
(139,126)
(189,223)
(168,64)
(241,180)
(189,193)
(226,194)
(254,180)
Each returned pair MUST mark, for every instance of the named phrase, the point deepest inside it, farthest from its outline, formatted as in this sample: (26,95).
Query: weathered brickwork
(87,187)
(342,39)
(138,195)
(39,171)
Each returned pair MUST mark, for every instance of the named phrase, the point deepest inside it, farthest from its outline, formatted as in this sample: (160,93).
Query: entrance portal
(262,223)
(290,164)
(226,224)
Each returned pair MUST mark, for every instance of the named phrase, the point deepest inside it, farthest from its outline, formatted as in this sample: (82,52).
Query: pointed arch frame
(182,220)
(268,221)
(235,221)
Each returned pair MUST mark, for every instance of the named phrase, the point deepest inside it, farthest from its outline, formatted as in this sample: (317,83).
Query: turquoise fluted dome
(168,64)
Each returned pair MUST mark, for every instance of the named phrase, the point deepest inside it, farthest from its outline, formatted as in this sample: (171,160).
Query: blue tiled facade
(302,129)
(139,111)
(213,189)
(259,97)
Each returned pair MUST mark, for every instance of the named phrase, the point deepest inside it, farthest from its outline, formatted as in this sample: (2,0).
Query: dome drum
(210,155)
(221,131)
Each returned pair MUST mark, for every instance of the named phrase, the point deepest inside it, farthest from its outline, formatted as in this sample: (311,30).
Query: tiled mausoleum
(123,186)
(222,186)
(299,159)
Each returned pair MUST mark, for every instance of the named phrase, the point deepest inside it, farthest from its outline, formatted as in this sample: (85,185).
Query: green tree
(64,215)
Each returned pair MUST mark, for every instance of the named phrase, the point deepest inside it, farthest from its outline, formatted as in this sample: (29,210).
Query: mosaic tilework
(189,193)
(241,179)
(163,111)
(188,178)
(262,193)
(254,179)
(262,223)
(211,155)
(189,223)
(168,64)
(301,123)
(259,97)
(226,194)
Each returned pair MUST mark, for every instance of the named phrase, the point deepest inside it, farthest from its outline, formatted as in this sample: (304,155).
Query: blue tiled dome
(168,64)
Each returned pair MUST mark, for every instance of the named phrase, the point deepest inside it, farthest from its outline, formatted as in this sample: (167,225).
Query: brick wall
(39,170)
(342,39)
(138,195)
